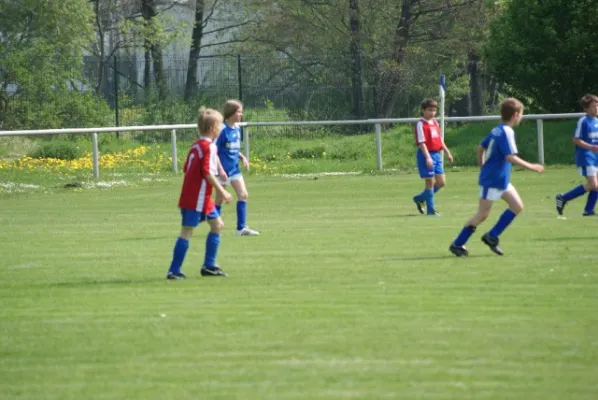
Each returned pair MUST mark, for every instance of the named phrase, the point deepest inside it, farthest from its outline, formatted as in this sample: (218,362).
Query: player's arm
(216,184)
(244,160)
(447,152)
(221,172)
(480,152)
(579,142)
(514,159)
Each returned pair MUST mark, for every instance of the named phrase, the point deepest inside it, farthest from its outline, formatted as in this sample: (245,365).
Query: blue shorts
(192,218)
(424,171)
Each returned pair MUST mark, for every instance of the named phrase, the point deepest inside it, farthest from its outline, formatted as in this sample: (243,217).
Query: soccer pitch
(347,294)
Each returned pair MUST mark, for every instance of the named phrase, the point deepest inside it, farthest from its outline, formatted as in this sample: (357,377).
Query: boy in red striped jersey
(196,204)
(429,157)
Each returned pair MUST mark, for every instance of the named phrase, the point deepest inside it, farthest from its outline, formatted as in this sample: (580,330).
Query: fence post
(246,142)
(540,130)
(96,157)
(116,110)
(173,152)
(379,146)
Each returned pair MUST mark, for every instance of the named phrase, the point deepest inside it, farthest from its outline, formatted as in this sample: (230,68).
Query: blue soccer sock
(574,193)
(505,219)
(241,214)
(429,196)
(180,250)
(219,209)
(464,235)
(591,202)
(212,243)
(421,196)
(436,189)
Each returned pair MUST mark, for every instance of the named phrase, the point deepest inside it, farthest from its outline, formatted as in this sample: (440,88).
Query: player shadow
(559,239)
(96,282)
(425,258)
(143,238)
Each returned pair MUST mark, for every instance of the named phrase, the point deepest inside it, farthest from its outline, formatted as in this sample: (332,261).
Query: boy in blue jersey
(229,152)
(585,138)
(495,155)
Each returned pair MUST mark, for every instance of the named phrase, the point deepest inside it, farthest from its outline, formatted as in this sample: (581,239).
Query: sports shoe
(589,214)
(247,232)
(560,203)
(433,214)
(492,242)
(459,251)
(212,271)
(175,276)
(420,205)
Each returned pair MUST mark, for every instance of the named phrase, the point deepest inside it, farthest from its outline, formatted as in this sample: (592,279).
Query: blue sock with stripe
(574,193)
(429,196)
(591,202)
(241,214)
(212,243)
(180,250)
(505,220)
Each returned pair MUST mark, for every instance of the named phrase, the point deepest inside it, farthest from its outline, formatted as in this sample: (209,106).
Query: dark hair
(587,100)
(429,103)
(509,107)
(230,108)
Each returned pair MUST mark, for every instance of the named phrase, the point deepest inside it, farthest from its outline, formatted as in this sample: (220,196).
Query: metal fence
(377,123)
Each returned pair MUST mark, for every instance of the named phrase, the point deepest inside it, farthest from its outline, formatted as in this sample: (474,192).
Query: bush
(61,149)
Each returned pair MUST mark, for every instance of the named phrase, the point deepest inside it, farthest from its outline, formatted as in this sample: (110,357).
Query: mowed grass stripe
(348,293)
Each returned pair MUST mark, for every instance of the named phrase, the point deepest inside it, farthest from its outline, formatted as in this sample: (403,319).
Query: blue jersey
(496,170)
(586,130)
(229,145)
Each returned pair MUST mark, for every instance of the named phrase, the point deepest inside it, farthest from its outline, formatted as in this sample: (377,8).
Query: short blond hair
(209,121)
(509,107)
(231,107)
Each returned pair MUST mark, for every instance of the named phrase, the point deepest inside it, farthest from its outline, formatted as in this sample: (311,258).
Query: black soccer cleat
(492,242)
(459,251)
(420,205)
(589,214)
(560,204)
(175,276)
(212,271)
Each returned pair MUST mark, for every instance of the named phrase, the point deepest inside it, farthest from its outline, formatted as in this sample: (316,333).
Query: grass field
(347,294)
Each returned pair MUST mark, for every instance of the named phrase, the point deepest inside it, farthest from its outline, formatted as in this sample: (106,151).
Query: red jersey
(428,132)
(196,193)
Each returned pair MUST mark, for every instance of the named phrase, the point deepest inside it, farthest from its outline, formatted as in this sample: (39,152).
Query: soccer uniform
(196,194)
(586,160)
(428,132)
(229,146)
(495,175)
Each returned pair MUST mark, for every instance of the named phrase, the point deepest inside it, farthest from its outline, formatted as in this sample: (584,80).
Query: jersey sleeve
(420,137)
(507,144)
(580,129)
(205,160)
(221,138)
(486,142)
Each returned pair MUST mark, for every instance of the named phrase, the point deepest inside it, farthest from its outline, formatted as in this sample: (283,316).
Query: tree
(41,48)
(546,51)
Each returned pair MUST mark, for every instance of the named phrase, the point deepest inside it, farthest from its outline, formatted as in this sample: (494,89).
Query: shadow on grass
(433,257)
(558,239)
(95,282)
(146,238)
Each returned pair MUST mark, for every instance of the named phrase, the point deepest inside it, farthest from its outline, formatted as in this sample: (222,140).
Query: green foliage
(60,149)
(547,50)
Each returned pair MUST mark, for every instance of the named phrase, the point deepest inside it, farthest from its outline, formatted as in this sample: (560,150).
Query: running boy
(495,155)
(429,157)
(196,202)
(229,152)
(585,138)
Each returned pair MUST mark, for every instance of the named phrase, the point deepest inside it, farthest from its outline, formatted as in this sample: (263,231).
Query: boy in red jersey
(196,204)
(429,157)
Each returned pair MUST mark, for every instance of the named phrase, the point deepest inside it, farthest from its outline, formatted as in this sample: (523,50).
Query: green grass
(347,294)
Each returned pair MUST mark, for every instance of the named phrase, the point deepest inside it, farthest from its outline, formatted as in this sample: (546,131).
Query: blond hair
(231,107)
(509,107)
(209,121)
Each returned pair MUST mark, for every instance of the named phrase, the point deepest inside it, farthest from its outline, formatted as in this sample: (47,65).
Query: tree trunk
(356,61)
(191,83)
(475,84)
(148,11)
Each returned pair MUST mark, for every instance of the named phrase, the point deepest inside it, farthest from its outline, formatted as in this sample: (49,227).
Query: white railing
(376,122)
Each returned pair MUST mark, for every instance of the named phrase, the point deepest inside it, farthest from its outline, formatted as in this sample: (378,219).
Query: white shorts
(493,194)
(230,179)
(589,170)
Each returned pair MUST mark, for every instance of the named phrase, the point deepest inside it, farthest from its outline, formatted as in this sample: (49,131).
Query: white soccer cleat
(247,232)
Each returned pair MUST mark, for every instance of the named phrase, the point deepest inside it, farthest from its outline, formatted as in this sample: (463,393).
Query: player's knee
(243,196)
(440,185)
(217,226)
(592,185)
(517,209)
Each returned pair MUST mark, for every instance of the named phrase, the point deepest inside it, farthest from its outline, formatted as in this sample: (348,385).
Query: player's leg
(219,199)
(427,174)
(577,191)
(210,268)
(484,208)
(511,196)
(591,187)
(190,219)
(238,183)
